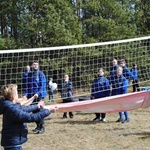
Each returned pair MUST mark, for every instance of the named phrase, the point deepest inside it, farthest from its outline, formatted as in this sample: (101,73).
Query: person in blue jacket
(122,87)
(14,127)
(135,83)
(36,84)
(100,88)
(67,93)
(126,72)
(113,74)
(24,77)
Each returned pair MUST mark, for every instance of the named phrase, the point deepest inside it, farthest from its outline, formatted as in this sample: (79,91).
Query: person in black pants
(15,117)
(36,85)
(100,88)
(67,93)
(135,83)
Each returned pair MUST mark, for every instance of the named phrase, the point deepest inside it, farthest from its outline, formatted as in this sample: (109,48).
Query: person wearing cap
(100,88)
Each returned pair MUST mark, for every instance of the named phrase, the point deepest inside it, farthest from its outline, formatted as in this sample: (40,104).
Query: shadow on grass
(80,113)
(84,122)
(145,135)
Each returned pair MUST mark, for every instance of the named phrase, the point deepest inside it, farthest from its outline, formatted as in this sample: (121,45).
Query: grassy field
(81,133)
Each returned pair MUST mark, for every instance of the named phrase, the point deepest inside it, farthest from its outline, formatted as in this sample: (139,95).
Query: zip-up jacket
(14,128)
(100,87)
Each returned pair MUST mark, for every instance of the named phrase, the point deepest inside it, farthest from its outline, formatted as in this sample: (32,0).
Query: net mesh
(81,62)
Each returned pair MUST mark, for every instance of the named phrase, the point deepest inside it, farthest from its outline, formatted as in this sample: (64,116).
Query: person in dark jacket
(122,87)
(113,74)
(126,72)
(36,84)
(135,83)
(24,77)
(14,128)
(67,93)
(100,88)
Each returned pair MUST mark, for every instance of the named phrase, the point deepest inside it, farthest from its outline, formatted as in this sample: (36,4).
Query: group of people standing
(116,84)
(15,116)
(34,83)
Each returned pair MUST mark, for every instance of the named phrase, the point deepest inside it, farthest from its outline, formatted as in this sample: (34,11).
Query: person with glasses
(36,85)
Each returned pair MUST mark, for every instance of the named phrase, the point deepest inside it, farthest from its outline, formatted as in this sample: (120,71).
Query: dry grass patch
(80,133)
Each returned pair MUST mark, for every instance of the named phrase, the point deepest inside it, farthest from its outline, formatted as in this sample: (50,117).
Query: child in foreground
(15,116)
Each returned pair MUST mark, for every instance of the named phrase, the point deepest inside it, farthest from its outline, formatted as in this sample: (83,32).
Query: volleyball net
(81,62)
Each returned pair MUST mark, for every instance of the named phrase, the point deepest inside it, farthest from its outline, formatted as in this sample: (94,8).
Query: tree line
(47,23)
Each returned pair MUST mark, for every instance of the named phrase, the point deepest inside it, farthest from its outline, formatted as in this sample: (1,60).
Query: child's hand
(53,110)
(36,95)
(24,98)
(41,104)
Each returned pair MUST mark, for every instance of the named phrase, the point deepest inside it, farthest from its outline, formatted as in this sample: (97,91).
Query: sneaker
(120,120)
(96,119)
(126,121)
(103,120)
(41,131)
(71,116)
(50,100)
(36,130)
(64,116)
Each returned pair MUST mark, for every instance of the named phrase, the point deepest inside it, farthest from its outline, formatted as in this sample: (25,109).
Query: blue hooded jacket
(100,88)
(24,79)
(36,84)
(127,73)
(113,74)
(121,84)
(15,117)
(135,73)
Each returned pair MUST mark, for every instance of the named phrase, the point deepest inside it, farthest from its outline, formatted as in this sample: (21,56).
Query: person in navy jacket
(100,88)
(135,83)
(67,93)
(14,127)
(122,87)
(36,84)
(126,72)
(24,77)
(113,74)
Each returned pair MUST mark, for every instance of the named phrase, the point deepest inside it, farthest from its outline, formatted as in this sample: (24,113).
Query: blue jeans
(125,113)
(13,148)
